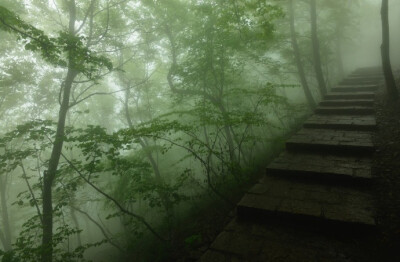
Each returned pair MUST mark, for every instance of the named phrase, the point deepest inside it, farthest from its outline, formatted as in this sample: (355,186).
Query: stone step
(331,141)
(352,95)
(322,168)
(376,76)
(371,74)
(343,122)
(345,102)
(355,88)
(369,70)
(362,80)
(280,199)
(344,110)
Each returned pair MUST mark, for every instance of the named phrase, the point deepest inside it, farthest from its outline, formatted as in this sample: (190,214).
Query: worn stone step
(371,74)
(345,102)
(344,110)
(369,70)
(375,76)
(282,199)
(343,122)
(325,168)
(361,80)
(355,88)
(331,141)
(348,95)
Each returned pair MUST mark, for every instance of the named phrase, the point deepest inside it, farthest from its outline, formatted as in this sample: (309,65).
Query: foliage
(53,49)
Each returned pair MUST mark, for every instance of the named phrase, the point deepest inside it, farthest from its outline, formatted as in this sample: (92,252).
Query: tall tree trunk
(296,50)
(49,175)
(339,60)
(315,46)
(6,238)
(385,50)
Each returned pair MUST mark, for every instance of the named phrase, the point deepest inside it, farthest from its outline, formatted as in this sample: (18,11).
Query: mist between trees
(121,120)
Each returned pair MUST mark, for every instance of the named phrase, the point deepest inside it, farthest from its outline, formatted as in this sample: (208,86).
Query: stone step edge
(317,176)
(362,149)
(349,127)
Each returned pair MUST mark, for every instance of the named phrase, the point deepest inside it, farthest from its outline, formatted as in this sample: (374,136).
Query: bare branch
(100,227)
(107,93)
(25,177)
(120,207)
(91,6)
(110,6)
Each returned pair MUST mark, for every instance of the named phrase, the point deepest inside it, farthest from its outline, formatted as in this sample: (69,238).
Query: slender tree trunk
(6,239)
(385,50)
(49,175)
(339,60)
(296,50)
(316,52)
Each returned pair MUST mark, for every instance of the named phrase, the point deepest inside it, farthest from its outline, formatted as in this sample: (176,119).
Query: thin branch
(100,227)
(86,16)
(108,7)
(120,207)
(103,75)
(107,26)
(25,177)
(108,93)
(196,156)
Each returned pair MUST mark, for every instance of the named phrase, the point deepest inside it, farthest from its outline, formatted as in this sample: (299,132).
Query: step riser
(246,213)
(349,127)
(367,75)
(321,178)
(326,148)
(347,103)
(351,111)
(355,81)
(350,96)
(354,89)
(324,178)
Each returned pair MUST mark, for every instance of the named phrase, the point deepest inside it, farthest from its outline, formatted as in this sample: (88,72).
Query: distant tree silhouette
(386,65)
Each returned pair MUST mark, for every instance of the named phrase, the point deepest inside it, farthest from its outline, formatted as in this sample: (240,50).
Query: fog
(129,127)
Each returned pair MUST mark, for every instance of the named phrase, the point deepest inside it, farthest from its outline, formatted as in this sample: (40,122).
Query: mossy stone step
(342,122)
(325,168)
(345,110)
(331,141)
(361,80)
(348,95)
(277,198)
(355,88)
(346,102)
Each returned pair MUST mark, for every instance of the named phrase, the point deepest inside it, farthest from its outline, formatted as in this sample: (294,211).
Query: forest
(131,128)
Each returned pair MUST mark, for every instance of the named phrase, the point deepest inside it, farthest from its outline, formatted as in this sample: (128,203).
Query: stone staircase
(321,181)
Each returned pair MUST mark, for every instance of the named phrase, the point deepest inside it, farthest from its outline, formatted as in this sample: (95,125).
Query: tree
(296,50)
(385,49)
(316,49)
(78,60)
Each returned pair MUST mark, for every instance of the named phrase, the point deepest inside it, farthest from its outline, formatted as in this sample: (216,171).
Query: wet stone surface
(345,110)
(348,95)
(311,139)
(320,164)
(353,122)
